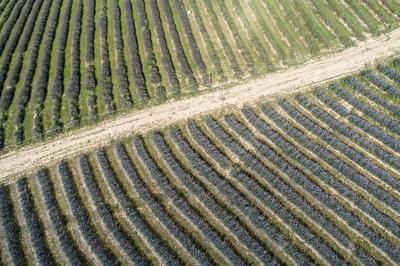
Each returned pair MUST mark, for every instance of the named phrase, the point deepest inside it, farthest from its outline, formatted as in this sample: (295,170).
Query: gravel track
(32,157)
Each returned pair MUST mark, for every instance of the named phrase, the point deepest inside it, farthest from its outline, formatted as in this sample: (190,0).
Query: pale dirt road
(30,158)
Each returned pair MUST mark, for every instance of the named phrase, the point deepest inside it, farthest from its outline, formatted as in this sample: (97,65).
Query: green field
(303,177)
(68,63)
(312,177)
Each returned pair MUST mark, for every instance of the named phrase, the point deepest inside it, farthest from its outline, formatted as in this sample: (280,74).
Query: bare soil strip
(32,157)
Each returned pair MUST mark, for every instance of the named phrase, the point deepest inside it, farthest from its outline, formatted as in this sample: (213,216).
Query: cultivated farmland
(312,177)
(199,132)
(69,63)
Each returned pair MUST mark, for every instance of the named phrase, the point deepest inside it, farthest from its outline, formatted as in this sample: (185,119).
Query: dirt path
(32,157)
